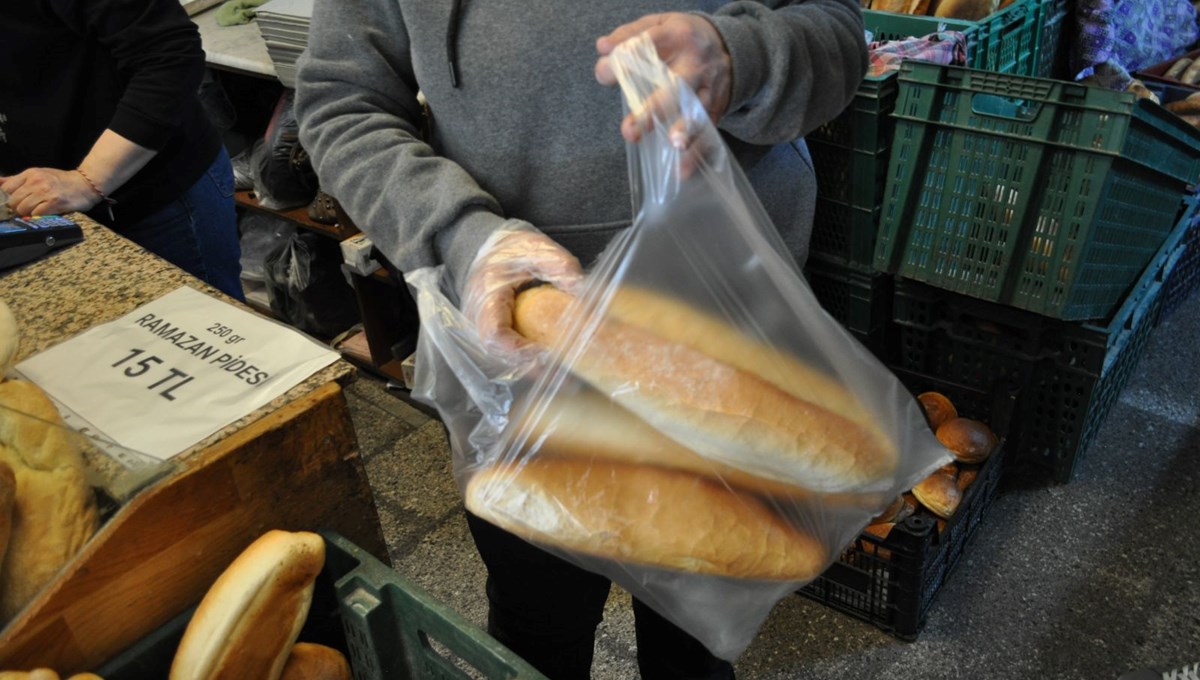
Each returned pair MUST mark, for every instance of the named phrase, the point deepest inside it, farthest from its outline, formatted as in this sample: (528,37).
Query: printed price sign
(173,371)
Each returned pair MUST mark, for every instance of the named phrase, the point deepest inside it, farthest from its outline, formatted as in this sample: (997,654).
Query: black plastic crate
(1069,373)
(860,300)
(892,582)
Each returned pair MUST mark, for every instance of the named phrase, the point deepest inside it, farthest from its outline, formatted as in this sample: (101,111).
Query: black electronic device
(23,239)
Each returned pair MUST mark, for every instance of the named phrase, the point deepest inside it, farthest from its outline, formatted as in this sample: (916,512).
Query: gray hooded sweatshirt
(522,129)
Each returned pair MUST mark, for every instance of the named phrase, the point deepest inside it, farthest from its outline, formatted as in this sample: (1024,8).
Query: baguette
(586,424)
(249,619)
(1191,74)
(643,515)
(661,363)
(1178,68)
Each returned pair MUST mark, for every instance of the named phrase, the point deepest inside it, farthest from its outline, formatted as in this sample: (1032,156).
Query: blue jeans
(198,232)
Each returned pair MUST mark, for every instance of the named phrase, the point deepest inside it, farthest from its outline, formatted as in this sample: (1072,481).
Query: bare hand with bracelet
(47,191)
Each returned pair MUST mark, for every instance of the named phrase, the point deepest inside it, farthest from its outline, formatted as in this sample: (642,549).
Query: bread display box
(384,624)
(146,539)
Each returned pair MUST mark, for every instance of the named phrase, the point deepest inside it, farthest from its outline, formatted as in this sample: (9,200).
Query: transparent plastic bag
(697,429)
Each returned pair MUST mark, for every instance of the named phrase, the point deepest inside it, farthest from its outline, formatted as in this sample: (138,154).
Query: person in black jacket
(99,113)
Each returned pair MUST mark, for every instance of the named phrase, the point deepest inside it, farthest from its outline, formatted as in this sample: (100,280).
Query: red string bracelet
(103,198)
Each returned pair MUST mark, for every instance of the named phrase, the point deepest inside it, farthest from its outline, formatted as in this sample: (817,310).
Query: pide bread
(588,424)
(644,515)
(54,511)
(249,619)
(309,661)
(718,392)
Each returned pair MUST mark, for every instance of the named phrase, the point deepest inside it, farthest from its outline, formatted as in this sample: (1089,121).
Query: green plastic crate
(1044,195)
(1181,276)
(1048,50)
(1004,41)
(1068,374)
(387,626)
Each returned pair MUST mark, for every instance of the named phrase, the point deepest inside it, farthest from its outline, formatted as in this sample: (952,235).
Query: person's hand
(47,191)
(505,264)
(692,49)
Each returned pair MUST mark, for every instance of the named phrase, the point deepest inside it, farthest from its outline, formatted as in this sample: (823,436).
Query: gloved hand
(516,255)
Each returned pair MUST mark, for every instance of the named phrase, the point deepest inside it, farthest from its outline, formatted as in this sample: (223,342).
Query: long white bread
(718,392)
(639,514)
(590,425)
(249,619)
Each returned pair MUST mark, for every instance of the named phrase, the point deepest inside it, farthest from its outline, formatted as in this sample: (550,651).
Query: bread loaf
(249,619)
(718,392)
(8,500)
(309,661)
(588,424)
(10,339)
(643,515)
(54,510)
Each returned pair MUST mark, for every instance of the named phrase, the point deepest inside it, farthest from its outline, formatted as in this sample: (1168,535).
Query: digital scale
(23,239)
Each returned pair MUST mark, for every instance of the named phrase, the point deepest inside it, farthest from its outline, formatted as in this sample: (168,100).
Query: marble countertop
(102,278)
(239,47)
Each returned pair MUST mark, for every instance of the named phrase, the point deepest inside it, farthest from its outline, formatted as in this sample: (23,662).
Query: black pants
(546,611)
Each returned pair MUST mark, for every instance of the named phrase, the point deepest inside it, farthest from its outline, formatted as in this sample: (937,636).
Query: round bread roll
(249,619)
(937,407)
(309,661)
(10,339)
(643,515)
(718,392)
(54,509)
(880,531)
(890,513)
(969,440)
(966,477)
(939,493)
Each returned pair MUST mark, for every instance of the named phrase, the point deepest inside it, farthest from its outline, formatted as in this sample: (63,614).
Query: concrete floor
(1085,580)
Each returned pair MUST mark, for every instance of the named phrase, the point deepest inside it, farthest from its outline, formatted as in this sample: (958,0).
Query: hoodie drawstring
(452,41)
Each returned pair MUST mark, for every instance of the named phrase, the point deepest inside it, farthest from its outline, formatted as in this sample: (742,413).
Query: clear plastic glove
(510,259)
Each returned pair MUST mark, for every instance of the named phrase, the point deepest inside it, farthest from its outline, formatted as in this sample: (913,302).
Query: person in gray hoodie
(515,171)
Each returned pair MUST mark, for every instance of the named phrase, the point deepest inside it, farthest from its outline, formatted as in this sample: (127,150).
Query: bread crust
(967,10)
(249,619)
(643,515)
(54,509)
(700,382)
(308,661)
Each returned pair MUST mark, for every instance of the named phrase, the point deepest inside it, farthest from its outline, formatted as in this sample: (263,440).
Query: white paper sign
(168,374)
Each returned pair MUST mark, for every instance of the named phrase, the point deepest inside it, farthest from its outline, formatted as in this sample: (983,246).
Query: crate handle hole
(449,657)
(1005,107)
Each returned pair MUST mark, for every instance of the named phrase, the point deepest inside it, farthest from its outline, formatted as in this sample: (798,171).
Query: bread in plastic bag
(697,428)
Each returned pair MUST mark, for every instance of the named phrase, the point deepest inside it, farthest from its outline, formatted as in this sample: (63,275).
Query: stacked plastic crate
(1018,246)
